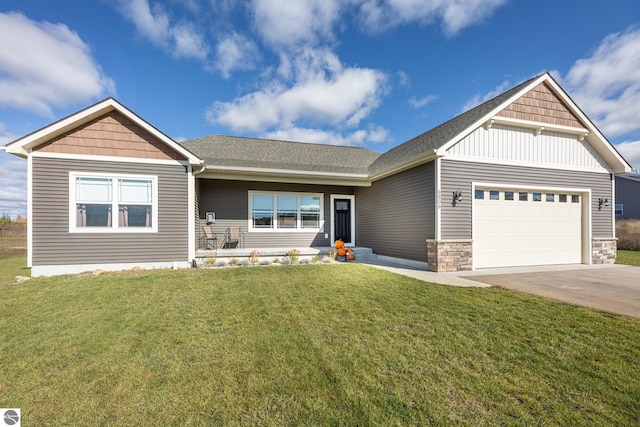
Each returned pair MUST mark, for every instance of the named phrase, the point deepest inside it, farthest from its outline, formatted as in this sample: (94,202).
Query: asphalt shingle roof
(440,135)
(233,151)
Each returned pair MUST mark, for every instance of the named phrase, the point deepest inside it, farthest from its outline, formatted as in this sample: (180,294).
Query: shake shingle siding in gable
(396,215)
(440,135)
(53,244)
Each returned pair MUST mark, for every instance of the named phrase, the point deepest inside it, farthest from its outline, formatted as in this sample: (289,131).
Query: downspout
(192,210)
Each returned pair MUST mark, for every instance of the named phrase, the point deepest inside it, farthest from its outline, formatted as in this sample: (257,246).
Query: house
(627,204)
(514,181)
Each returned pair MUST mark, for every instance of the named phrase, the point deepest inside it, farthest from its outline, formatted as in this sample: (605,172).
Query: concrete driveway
(614,288)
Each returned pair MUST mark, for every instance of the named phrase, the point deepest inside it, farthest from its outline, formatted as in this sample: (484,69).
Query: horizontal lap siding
(396,215)
(458,175)
(628,194)
(54,245)
(230,202)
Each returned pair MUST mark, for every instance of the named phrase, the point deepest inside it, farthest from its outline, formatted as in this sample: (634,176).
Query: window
(111,203)
(508,195)
(551,197)
(619,209)
(494,195)
(537,197)
(285,212)
(562,198)
(575,198)
(479,194)
(523,196)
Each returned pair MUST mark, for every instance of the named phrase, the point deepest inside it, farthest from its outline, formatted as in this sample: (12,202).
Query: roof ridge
(279,140)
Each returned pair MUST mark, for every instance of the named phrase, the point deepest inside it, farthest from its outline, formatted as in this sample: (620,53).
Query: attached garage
(518,227)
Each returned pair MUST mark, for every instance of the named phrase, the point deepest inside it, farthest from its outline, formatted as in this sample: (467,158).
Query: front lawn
(312,345)
(628,257)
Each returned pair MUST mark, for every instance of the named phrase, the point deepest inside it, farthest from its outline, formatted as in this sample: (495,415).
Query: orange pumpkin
(342,252)
(339,244)
(351,257)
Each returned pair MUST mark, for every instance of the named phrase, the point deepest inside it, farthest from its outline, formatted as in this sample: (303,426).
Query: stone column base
(603,250)
(449,255)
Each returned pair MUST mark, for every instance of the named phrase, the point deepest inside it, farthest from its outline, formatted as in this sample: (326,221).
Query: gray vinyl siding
(230,202)
(54,245)
(458,175)
(628,194)
(396,215)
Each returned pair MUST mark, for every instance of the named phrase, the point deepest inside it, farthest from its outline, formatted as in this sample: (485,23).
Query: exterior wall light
(457,197)
(603,202)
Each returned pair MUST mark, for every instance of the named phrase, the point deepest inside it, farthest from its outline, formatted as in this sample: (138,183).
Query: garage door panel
(526,231)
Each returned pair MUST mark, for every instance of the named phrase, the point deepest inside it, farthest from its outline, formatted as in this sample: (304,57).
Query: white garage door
(524,227)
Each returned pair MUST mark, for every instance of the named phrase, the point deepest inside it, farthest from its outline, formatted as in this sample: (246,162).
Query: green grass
(310,345)
(628,257)
(13,258)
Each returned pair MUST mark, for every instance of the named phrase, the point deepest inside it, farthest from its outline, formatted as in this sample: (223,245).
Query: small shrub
(254,257)
(332,255)
(211,257)
(294,255)
(628,234)
(315,259)
(234,261)
(276,260)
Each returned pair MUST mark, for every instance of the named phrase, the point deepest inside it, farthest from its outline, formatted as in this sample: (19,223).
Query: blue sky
(371,73)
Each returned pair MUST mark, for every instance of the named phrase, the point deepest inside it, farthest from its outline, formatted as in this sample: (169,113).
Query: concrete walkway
(614,288)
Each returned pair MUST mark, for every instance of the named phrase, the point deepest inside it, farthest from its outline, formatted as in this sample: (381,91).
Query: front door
(342,219)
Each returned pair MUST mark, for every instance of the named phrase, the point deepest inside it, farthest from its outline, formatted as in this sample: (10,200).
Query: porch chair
(233,237)
(210,238)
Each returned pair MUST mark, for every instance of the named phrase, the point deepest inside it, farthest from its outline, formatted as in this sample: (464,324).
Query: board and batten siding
(53,244)
(396,215)
(458,175)
(523,146)
(229,200)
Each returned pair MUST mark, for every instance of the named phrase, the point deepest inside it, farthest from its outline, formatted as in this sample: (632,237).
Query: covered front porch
(254,255)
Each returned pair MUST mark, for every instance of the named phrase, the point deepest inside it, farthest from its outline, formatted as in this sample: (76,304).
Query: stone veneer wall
(603,250)
(449,255)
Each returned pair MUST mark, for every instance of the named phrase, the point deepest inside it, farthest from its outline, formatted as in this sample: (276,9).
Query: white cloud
(154,25)
(286,23)
(421,102)
(182,39)
(478,99)
(375,134)
(13,179)
(235,52)
(630,150)
(320,90)
(455,15)
(188,42)
(45,65)
(607,84)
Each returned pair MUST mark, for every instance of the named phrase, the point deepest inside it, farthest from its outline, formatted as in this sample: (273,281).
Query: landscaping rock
(20,279)
(97,272)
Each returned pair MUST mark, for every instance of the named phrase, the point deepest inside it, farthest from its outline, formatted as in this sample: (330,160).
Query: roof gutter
(424,158)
